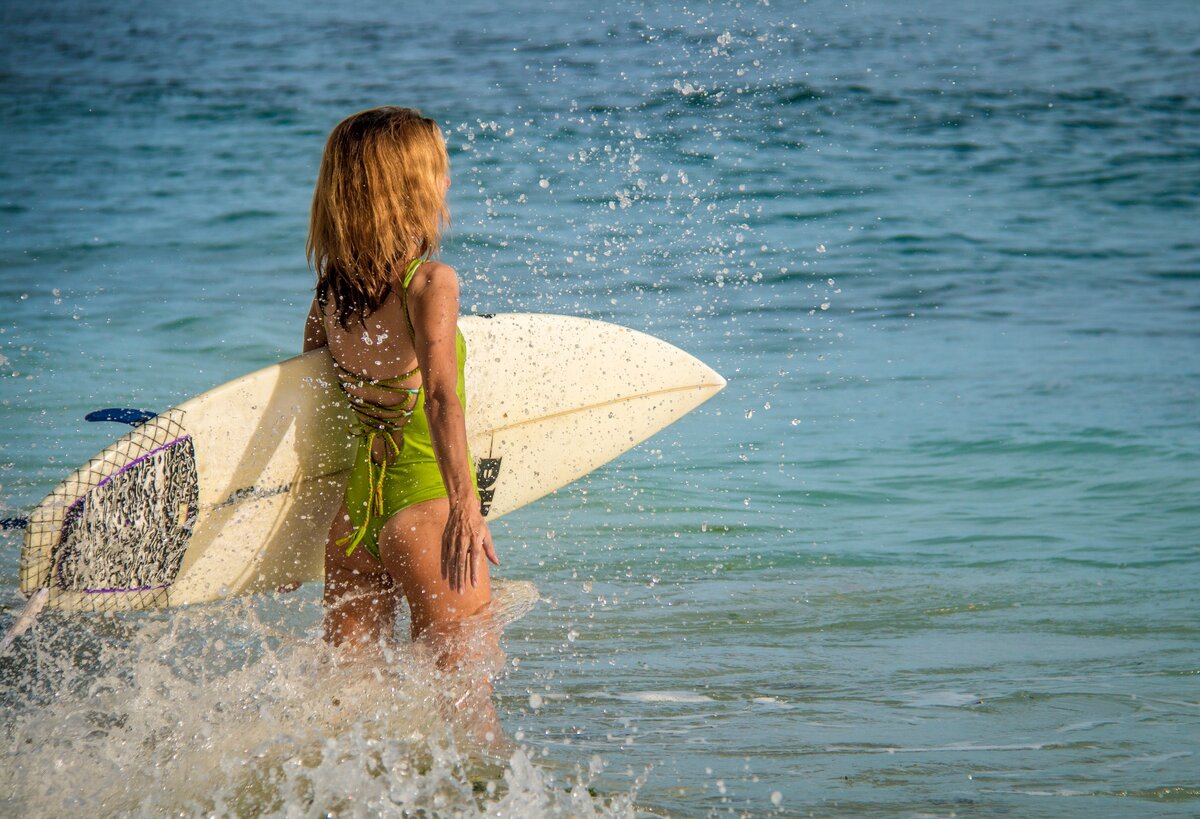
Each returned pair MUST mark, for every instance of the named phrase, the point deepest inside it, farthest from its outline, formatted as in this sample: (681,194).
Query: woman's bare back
(378,348)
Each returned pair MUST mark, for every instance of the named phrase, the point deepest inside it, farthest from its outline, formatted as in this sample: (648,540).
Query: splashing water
(951,244)
(216,709)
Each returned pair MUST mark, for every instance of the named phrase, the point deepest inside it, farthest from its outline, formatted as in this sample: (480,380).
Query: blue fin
(133,417)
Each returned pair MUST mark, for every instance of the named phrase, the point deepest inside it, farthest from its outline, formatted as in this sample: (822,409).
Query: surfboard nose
(717,382)
(707,381)
(699,374)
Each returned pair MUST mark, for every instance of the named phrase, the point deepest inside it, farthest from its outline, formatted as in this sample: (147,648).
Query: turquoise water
(934,549)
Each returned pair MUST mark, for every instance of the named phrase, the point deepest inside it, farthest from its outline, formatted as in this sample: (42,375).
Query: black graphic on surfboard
(486,474)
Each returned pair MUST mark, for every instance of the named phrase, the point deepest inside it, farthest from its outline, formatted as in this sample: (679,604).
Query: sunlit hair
(379,203)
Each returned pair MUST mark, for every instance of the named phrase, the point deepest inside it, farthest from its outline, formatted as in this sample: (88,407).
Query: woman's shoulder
(432,275)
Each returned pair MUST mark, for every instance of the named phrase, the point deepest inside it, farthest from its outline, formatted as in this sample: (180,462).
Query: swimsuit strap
(375,474)
(408,277)
(379,383)
(381,417)
(411,270)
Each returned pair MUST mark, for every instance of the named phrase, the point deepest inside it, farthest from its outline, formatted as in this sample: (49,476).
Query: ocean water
(934,551)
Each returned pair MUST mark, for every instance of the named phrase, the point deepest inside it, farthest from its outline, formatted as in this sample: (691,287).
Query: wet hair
(379,203)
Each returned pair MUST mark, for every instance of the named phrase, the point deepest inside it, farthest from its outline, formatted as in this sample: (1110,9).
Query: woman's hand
(466,535)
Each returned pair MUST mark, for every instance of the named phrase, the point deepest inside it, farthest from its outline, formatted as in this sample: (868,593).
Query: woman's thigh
(360,597)
(411,545)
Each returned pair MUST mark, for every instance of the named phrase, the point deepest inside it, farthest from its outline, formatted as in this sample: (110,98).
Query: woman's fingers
(447,550)
(445,546)
(489,549)
(456,560)
(461,555)
(461,548)
(464,561)
(452,549)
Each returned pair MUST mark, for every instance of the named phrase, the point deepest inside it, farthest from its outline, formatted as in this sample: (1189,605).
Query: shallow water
(933,550)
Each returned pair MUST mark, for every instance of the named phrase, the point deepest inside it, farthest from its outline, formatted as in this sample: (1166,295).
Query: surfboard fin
(33,606)
(133,417)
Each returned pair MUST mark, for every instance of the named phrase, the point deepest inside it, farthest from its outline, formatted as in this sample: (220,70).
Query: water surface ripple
(932,552)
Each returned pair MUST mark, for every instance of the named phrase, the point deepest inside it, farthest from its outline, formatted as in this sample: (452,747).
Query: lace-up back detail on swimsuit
(379,417)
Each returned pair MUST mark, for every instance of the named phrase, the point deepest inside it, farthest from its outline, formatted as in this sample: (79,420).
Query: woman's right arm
(433,307)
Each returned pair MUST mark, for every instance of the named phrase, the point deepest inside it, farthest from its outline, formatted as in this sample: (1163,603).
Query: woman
(411,523)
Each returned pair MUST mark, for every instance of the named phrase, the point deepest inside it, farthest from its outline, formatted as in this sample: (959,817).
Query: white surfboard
(234,490)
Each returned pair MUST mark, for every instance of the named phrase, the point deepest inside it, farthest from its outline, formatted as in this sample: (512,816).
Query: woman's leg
(411,545)
(360,597)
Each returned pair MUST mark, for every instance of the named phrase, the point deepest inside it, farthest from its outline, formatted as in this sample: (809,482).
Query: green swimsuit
(376,491)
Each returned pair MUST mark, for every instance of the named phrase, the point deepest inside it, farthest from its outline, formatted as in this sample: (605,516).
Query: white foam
(664,696)
(208,710)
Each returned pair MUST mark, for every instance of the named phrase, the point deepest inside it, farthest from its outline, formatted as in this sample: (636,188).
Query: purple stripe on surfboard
(74,509)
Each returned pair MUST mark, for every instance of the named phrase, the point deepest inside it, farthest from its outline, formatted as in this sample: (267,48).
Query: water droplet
(820,248)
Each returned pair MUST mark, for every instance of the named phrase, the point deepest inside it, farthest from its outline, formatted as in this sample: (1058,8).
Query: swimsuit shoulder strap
(408,277)
(411,271)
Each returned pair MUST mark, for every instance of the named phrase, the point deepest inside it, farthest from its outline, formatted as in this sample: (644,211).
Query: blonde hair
(379,203)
